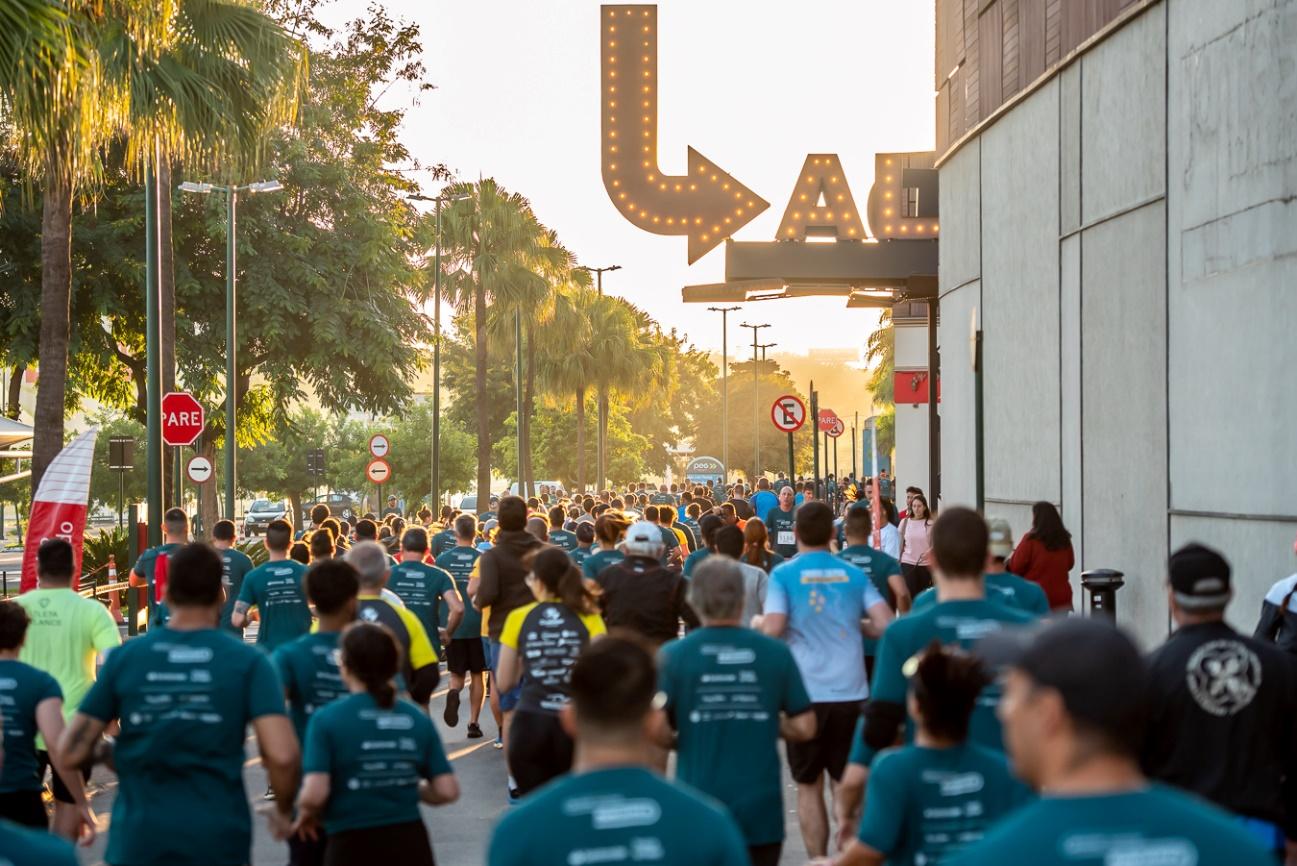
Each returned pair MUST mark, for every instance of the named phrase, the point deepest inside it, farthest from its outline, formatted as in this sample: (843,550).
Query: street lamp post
(601,448)
(725,385)
(231,287)
(756,385)
(435,490)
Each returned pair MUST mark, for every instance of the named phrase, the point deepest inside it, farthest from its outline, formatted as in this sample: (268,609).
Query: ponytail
(574,593)
(554,569)
(371,655)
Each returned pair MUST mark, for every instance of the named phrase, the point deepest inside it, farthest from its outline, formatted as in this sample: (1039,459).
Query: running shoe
(474,731)
(451,716)
(499,743)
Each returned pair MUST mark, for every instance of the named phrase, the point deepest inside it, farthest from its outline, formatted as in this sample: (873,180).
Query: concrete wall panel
(958,405)
(1069,167)
(961,219)
(1020,300)
(1071,443)
(1123,117)
(1123,391)
(1259,553)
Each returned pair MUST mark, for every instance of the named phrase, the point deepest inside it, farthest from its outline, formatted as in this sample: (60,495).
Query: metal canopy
(12,432)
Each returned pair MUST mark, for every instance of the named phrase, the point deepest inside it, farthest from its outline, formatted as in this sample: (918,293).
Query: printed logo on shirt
(824,575)
(1129,850)
(1223,676)
(618,814)
(369,614)
(954,784)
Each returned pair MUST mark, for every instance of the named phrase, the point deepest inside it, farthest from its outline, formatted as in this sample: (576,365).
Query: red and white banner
(60,505)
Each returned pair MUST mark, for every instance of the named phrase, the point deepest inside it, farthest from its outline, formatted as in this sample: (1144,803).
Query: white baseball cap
(644,539)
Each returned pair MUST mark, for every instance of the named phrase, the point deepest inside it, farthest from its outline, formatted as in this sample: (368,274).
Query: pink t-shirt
(918,544)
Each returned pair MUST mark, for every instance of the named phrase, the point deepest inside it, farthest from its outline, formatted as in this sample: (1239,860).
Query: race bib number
(785,537)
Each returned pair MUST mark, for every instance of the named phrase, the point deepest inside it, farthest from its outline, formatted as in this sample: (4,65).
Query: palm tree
(201,79)
(490,239)
(568,364)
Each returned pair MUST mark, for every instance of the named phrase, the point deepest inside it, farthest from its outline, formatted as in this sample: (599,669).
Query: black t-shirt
(642,595)
(743,508)
(1222,710)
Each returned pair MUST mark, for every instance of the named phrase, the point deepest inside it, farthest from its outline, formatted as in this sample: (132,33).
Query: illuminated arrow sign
(707,204)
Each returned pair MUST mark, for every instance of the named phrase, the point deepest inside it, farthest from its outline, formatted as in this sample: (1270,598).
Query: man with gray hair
(731,694)
(419,659)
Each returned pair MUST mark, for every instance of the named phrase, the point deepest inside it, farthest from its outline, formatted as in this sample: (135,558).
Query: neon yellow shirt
(66,633)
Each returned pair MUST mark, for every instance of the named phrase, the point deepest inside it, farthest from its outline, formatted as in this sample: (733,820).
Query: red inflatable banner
(60,506)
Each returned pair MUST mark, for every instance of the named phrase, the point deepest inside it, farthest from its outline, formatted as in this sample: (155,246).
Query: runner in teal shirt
(779,524)
(928,800)
(558,536)
(275,590)
(466,652)
(612,805)
(24,847)
(731,693)
(584,533)
(1002,588)
(370,759)
(184,696)
(236,566)
(609,530)
(428,591)
(883,571)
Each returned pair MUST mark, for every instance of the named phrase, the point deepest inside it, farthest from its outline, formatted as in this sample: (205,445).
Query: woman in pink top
(916,546)
(1044,556)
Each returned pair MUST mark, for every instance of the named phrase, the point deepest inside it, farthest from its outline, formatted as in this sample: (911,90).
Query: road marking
(468,750)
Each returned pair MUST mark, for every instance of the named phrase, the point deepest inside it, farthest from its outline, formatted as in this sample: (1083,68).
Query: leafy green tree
(880,352)
(555,455)
(772,381)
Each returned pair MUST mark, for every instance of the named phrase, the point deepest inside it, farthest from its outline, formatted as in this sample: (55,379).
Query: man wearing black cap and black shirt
(1074,711)
(1222,705)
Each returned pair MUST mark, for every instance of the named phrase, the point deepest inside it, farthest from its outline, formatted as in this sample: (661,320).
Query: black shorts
(835,725)
(539,749)
(464,654)
(406,844)
(25,808)
(61,792)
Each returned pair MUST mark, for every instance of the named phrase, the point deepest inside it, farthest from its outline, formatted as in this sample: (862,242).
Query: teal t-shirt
(459,563)
(1004,588)
(375,759)
(563,540)
(184,699)
(20,846)
(924,804)
(580,555)
(779,524)
(443,541)
(308,669)
(275,590)
(624,812)
(725,688)
(1155,825)
(957,623)
(599,560)
(22,689)
(147,566)
(879,567)
(235,566)
(422,588)
(695,559)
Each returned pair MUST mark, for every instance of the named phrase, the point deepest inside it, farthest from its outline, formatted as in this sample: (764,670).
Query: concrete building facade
(1121,218)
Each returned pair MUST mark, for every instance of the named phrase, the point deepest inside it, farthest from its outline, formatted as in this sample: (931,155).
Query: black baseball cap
(1199,577)
(1092,663)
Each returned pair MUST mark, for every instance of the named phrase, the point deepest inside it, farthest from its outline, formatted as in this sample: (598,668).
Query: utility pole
(725,385)
(765,346)
(601,450)
(756,384)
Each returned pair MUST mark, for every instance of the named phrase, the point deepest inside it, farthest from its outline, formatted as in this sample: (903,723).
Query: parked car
(261,512)
(340,505)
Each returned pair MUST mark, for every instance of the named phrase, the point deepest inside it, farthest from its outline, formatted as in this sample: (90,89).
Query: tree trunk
(13,406)
(208,507)
(479,386)
(56,313)
(528,404)
(295,502)
(166,308)
(580,439)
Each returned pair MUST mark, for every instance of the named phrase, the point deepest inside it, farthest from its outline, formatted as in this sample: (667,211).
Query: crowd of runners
(641,654)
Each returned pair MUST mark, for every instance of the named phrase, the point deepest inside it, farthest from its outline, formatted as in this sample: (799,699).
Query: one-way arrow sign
(707,204)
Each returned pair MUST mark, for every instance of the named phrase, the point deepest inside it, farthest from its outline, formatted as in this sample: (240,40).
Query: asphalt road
(460,832)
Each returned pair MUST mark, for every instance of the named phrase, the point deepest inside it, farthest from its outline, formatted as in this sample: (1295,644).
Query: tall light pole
(601,447)
(435,490)
(231,283)
(765,346)
(756,381)
(725,385)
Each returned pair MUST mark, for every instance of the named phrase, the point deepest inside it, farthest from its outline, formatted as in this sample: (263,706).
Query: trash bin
(1102,585)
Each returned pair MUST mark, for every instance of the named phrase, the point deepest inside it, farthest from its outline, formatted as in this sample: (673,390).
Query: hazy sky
(754,85)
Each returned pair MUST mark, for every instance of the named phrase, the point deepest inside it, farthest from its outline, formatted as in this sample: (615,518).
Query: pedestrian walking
(370,760)
(1278,622)
(1044,556)
(539,644)
(731,694)
(612,804)
(915,533)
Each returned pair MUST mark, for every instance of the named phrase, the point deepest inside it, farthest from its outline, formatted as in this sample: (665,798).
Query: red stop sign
(182,418)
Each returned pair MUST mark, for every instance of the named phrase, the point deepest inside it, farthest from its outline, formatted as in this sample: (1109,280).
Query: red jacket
(1048,568)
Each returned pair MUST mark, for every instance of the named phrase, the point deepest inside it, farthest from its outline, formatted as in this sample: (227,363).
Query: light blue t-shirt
(824,599)
(762,501)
